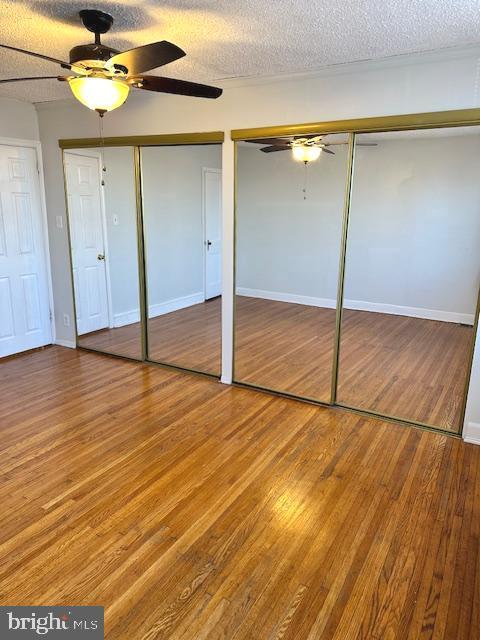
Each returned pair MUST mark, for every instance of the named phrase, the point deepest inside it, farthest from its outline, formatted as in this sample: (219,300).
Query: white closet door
(88,248)
(24,297)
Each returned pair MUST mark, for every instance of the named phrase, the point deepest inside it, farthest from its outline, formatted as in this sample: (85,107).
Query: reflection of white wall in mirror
(119,193)
(411,238)
(174,237)
(287,244)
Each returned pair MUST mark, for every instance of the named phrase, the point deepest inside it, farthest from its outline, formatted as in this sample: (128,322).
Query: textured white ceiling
(233,38)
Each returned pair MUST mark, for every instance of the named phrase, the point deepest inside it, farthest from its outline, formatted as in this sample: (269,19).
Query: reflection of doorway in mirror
(212,231)
(86,215)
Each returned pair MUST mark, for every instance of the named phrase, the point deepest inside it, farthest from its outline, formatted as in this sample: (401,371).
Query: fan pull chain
(305,181)
(102,148)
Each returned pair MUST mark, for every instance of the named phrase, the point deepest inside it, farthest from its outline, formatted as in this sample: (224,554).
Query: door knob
(101,256)
(209,243)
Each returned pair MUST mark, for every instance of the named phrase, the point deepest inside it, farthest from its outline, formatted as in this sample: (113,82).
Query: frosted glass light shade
(306,153)
(99,94)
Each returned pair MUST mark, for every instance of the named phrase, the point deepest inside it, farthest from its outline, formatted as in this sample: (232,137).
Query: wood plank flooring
(396,365)
(193,510)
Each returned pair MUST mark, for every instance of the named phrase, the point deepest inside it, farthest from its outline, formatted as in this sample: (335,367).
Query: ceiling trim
(429,120)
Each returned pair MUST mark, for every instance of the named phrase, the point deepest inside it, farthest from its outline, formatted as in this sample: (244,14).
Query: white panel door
(24,297)
(212,199)
(87,242)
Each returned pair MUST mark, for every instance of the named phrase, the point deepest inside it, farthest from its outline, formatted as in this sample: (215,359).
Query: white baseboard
(175,304)
(309,301)
(471,433)
(126,317)
(360,305)
(154,310)
(412,312)
(65,343)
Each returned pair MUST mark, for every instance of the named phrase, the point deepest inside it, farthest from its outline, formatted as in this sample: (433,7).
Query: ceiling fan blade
(271,141)
(22,79)
(357,144)
(328,151)
(63,64)
(150,56)
(276,147)
(178,87)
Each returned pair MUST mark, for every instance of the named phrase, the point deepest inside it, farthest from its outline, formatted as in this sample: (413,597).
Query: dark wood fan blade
(64,65)
(22,79)
(358,144)
(178,87)
(272,141)
(328,151)
(150,56)
(276,147)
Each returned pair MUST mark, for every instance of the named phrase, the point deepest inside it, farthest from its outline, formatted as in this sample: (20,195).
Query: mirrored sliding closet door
(290,203)
(102,212)
(411,275)
(181,191)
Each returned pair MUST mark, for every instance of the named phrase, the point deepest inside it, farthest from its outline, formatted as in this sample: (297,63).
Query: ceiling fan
(303,148)
(103,76)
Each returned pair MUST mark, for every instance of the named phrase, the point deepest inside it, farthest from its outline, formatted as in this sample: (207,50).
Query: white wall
(121,218)
(172,207)
(410,84)
(415,226)
(413,235)
(288,247)
(18,120)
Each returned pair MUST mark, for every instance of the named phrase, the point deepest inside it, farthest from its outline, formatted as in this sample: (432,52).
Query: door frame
(206,170)
(36,145)
(93,153)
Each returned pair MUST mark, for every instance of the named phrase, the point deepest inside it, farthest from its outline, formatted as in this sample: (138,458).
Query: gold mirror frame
(430,120)
(408,122)
(136,143)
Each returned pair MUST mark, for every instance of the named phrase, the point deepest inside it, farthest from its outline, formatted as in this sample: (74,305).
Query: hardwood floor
(193,510)
(407,367)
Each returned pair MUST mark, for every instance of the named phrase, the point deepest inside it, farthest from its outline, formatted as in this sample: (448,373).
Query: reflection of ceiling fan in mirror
(303,148)
(103,76)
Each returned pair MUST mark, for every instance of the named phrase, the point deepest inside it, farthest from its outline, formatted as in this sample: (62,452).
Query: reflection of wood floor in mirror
(397,365)
(189,338)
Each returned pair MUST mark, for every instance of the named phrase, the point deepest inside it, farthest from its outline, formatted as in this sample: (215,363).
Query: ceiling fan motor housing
(91,52)
(96,21)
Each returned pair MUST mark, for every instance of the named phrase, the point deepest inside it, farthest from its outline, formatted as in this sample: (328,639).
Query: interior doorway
(25,314)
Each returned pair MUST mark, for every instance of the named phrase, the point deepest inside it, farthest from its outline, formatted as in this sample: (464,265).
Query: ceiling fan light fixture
(306,153)
(99,93)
